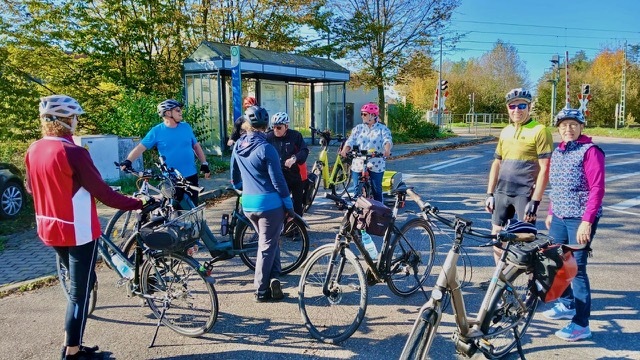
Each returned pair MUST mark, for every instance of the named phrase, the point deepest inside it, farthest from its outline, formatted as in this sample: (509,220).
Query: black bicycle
(333,285)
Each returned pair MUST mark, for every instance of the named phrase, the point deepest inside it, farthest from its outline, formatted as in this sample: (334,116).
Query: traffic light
(586,89)
(444,84)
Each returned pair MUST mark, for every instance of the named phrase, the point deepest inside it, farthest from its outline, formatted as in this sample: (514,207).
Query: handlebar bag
(374,216)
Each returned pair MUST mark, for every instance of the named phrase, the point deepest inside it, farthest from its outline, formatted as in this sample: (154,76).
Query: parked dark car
(11,191)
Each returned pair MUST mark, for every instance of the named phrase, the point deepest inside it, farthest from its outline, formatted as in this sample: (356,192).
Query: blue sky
(539,29)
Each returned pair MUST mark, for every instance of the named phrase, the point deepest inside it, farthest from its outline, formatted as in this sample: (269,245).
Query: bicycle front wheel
(120,227)
(172,283)
(421,337)
(317,171)
(332,316)
(294,245)
(411,257)
(506,319)
(65,283)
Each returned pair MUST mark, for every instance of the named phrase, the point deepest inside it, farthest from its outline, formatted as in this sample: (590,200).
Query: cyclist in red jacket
(64,183)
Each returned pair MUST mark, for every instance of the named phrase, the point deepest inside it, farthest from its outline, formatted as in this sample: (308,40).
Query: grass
(627,133)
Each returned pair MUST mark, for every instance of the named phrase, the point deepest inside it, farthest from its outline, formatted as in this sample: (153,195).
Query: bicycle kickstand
(165,306)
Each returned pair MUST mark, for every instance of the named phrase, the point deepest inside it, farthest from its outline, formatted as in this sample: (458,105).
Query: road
(455,181)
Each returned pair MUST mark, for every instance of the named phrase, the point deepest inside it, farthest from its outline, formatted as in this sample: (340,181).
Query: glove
(147,201)
(204,168)
(290,213)
(490,202)
(126,164)
(531,209)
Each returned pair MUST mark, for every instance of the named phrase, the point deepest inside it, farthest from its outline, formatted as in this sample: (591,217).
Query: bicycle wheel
(294,245)
(317,171)
(65,283)
(120,226)
(421,336)
(411,257)
(505,312)
(334,316)
(173,284)
(341,180)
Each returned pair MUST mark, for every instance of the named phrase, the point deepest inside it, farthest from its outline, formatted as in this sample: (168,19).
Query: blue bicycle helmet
(520,227)
(518,94)
(257,116)
(167,105)
(569,114)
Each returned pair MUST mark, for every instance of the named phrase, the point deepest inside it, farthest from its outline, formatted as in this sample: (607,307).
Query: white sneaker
(559,311)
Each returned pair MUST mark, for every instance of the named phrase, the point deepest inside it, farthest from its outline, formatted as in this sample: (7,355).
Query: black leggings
(81,262)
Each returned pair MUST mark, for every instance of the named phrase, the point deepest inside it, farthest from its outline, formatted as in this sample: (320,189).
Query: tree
(379,34)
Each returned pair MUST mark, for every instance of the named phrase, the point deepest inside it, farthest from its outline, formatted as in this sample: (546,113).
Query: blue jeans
(376,184)
(578,295)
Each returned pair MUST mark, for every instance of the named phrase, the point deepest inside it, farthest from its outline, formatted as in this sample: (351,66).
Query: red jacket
(64,181)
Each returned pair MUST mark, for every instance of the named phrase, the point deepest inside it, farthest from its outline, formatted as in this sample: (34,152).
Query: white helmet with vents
(280,118)
(60,106)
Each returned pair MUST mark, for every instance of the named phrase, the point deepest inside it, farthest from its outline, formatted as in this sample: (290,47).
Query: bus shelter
(310,89)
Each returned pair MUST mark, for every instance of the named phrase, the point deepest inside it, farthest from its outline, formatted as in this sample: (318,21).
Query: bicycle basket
(167,189)
(179,232)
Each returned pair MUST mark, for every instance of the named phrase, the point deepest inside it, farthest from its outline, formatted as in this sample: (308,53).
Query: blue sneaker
(559,311)
(574,332)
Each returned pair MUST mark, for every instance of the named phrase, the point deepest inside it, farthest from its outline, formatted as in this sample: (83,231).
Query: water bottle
(369,245)
(122,266)
(224,225)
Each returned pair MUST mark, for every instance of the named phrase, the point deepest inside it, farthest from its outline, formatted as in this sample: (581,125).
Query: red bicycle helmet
(370,108)
(249,101)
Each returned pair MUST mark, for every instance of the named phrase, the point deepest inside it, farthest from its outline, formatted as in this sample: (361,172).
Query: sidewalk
(26,259)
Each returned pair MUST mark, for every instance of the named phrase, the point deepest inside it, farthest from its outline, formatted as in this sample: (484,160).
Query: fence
(480,124)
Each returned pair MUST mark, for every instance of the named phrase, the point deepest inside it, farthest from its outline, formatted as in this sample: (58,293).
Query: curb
(12,288)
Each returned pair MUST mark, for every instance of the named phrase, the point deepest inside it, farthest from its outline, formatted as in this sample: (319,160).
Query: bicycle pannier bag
(308,188)
(554,267)
(374,218)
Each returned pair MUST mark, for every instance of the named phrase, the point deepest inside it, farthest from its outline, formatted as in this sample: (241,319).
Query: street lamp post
(555,60)
(439,117)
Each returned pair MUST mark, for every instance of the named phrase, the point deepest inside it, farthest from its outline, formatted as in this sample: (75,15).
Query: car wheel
(11,200)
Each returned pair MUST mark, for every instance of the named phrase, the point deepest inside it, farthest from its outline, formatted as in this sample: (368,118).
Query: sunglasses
(519,106)
(279,127)
(364,114)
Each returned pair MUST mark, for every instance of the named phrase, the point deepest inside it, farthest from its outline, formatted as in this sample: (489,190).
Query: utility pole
(620,113)
(555,60)
(439,117)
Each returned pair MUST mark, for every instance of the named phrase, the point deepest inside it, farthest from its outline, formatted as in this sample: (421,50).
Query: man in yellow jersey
(520,172)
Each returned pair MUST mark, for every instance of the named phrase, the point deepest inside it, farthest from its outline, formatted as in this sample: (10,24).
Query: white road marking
(450,162)
(621,163)
(621,176)
(626,204)
(623,153)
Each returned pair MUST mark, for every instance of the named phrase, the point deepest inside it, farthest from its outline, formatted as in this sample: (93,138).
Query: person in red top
(64,183)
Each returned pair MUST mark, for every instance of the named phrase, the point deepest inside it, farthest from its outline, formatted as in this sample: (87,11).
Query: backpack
(553,266)
(374,216)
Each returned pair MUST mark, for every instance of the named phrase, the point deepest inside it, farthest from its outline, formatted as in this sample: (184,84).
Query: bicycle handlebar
(168,173)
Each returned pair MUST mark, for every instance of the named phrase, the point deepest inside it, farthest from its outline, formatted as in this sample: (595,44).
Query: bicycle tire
(175,280)
(335,317)
(63,276)
(504,311)
(411,257)
(421,336)
(341,180)
(317,170)
(119,228)
(294,245)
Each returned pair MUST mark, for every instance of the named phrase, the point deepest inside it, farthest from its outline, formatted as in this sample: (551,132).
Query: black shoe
(276,290)
(85,353)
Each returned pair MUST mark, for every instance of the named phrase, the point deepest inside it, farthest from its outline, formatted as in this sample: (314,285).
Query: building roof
(266,64)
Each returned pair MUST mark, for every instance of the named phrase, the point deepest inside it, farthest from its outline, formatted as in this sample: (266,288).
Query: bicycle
(335,178)
(178,290)
(333,286)
(507,308)
(242,238)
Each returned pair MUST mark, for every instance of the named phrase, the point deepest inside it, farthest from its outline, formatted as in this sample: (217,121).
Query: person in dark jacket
(237,124)
(293,153)
(65,183)
(255,168)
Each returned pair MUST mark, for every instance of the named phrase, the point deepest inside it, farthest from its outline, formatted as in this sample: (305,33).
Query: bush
(407,124)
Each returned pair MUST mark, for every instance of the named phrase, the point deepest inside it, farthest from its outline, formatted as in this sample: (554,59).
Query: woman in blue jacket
(255,167)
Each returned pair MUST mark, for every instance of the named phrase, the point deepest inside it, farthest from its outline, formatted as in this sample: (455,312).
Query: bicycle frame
(329,173)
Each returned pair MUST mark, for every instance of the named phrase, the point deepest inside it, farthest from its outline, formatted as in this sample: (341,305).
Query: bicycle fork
(424,329)
(330,281)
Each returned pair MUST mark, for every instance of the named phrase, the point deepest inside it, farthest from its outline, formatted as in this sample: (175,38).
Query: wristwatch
(204,163)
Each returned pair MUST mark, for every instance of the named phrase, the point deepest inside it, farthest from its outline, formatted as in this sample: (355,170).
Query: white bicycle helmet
(55,106)
(280,118)
(167,105)
(518,94)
